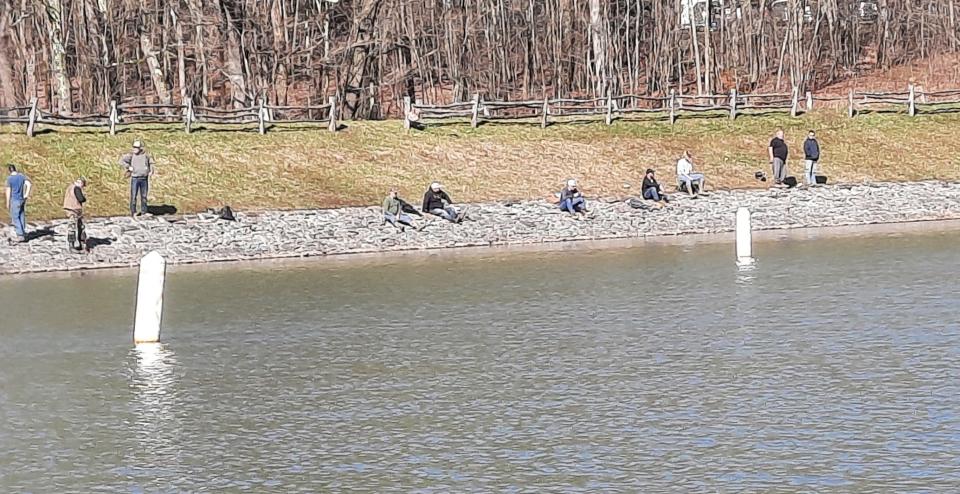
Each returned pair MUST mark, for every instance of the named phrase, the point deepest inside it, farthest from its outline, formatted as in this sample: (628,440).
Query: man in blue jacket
(16,194)
(811,151)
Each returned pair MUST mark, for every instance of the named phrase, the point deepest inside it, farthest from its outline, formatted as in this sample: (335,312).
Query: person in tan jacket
(73,200)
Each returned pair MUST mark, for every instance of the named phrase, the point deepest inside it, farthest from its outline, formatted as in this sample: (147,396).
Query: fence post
(809,101)
(850,111)
(795,104)
(733,104)
(475,118)
(912,102)
(262,116)
(609,109)
(546,112)
(406,112)
(333,114)
(188,116)
(673,106)
(34,116)
(114,117)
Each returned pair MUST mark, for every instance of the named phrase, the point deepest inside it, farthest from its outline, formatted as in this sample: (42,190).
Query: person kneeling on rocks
(571,199)
(438,203)
(652,190)
(73,200)
(395,211)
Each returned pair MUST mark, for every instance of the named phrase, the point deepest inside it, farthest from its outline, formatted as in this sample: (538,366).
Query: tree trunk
(601,43)
(156,71)
(58,64)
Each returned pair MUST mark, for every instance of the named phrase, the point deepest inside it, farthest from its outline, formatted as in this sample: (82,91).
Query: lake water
(833,366)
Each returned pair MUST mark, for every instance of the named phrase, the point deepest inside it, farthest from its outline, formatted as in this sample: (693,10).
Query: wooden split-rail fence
(674,106)
(263,115)
(546,111)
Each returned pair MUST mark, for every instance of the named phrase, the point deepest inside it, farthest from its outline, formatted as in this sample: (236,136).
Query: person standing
(139,165)
(778,157)
(73,200)
(811,152)
(17,192)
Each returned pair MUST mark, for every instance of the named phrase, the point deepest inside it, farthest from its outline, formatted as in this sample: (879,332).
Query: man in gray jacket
(139,167)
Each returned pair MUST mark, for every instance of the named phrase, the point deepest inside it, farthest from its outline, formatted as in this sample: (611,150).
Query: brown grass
(303,167)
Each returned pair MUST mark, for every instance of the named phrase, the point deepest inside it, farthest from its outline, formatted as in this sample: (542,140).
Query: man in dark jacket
(811,151)
(652,190)
(571,199)
(778,157)
(438,203)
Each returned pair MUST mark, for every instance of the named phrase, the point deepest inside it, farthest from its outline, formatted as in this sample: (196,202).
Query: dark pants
(138,186)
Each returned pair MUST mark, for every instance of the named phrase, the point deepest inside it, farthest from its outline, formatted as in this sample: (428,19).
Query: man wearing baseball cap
(437,202)
(571,199)
(139,166)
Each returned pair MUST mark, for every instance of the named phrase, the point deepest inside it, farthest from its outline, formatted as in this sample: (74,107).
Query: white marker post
(153,270)
(744,238)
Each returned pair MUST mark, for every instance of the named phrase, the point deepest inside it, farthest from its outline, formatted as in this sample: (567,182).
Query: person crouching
(73,201)
(571,199)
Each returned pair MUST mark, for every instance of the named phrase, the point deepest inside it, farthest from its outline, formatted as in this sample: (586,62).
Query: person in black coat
(652,190)
(437,202)
(811,154)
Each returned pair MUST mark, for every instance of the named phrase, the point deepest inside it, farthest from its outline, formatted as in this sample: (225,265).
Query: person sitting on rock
(437,202)
(395,211)
(652,190)
(571,199)
(694,182)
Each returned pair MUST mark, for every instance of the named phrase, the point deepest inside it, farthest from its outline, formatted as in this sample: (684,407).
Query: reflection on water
(834,366)
(154,403)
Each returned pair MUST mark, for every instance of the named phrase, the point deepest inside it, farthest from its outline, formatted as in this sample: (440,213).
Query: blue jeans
(653,194)
(447,213)
(404,219)
(138,186)
(573,205)
(18,217)
(693,178)
(810,172)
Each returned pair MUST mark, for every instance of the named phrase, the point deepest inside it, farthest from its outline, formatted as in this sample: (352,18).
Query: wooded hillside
(78,55)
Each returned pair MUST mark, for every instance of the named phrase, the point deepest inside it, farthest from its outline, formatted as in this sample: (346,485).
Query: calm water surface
(832,367)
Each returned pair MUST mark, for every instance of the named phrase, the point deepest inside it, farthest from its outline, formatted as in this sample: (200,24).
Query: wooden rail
(672,106)
(263,115)
(545,111)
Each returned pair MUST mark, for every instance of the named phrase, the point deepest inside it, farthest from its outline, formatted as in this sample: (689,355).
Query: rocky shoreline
(203,238)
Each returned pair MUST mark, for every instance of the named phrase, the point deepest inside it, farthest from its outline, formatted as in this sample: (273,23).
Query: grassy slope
(310,167)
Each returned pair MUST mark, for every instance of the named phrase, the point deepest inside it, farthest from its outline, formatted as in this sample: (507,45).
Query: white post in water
(153,269)
(744,238)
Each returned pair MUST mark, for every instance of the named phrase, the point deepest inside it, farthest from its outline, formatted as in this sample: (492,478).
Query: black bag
(790,182)
(227,214)
(821,179)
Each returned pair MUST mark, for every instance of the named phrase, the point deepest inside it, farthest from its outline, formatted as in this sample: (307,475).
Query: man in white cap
(571,199)
(438,203)
(139,166)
